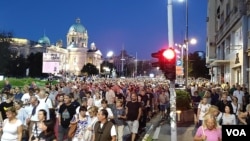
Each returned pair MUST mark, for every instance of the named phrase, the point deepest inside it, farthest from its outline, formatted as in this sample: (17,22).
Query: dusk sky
(138,25)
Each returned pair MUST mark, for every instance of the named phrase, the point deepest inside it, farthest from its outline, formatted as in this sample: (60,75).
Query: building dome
(44,40)
(77,27)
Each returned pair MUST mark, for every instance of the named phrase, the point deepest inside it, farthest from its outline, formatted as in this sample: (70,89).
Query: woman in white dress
(12,127)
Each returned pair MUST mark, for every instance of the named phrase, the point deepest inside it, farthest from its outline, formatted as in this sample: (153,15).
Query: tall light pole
(172,82)
(186,43)
(136,64)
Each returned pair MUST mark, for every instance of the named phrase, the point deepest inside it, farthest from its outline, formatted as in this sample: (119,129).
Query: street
(160,131)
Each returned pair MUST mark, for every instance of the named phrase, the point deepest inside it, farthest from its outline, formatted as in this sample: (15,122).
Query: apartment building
(228,41)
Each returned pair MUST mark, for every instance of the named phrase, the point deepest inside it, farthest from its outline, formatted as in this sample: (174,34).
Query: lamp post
(110,64)
(186,43)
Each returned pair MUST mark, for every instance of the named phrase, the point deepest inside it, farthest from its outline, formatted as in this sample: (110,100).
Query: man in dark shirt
(145,99)
(5,105)
(66,111)
(214,97)
(133,112)
(224,102)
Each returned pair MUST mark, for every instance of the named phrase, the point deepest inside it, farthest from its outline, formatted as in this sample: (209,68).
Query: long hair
(50,127)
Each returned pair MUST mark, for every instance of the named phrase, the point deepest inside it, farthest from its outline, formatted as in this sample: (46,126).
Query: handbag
(72,129)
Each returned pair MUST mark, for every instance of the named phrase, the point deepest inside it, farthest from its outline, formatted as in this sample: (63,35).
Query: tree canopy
(90,69)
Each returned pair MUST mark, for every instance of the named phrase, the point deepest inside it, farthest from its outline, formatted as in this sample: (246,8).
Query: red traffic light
(169,53)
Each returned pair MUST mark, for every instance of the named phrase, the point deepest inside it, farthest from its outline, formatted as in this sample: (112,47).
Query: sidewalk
(183,133)
(160,131)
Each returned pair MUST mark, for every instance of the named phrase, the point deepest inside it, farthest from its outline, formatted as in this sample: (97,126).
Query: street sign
(178,63)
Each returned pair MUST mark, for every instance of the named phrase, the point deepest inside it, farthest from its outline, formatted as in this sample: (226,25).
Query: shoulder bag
(72,128)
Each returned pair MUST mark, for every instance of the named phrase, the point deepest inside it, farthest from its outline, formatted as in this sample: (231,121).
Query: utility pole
(186,41)
(172,82)
(122,59)
(135,64)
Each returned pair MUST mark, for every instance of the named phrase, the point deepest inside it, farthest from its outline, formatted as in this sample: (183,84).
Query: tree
(90,69)
(17,66)
(35,65)
(5,57)
(197,66)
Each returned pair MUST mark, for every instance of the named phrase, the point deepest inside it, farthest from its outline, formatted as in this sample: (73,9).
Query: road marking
(156,133)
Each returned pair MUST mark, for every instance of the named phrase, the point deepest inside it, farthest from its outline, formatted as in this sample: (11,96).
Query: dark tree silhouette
(35,65)
(90,69)
(17,66)
(197,66)
(5,57)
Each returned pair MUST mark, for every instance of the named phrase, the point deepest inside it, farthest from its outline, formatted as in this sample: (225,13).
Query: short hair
(119,101)
(82,108)
(104,101)
(19,102)
(88,92)
(68,95)
(104,112)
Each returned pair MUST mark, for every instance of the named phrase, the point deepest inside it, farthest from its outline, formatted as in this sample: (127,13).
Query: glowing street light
(110,54)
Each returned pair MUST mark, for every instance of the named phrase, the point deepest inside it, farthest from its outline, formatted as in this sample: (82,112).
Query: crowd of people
(102,109)
(217,106)
(113,109)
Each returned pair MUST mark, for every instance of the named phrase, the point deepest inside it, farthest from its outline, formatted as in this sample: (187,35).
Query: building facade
(73,56)
(228,38)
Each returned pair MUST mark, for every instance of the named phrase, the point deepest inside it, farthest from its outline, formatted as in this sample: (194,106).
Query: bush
(183,100)
(20,82)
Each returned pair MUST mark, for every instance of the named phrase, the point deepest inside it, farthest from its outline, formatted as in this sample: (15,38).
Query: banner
(51,62)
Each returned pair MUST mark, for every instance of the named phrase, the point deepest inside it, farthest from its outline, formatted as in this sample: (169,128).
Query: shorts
(163,107)
(133,126)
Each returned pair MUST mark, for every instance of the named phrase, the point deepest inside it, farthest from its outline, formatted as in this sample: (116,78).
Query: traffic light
(169,63)
(159,56)
(166,62)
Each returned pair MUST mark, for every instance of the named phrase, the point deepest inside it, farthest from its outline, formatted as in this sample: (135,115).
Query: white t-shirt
(110,113)
(10,130)
(203,110)
(228,119)
(47,101)
(40,106)
(239,95)
(97,103)
(25,98)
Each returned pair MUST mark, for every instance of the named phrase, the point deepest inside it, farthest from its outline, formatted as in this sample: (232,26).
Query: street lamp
(191,41)
(110,54)
(110,62)
(186,43)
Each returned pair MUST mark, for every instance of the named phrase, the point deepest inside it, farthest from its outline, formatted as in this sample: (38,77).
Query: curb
(148,136)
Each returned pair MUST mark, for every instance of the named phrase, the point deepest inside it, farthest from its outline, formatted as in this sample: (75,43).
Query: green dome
(44,40)
(77,27)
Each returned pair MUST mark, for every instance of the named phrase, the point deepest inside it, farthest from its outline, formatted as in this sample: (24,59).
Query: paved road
(161,131)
